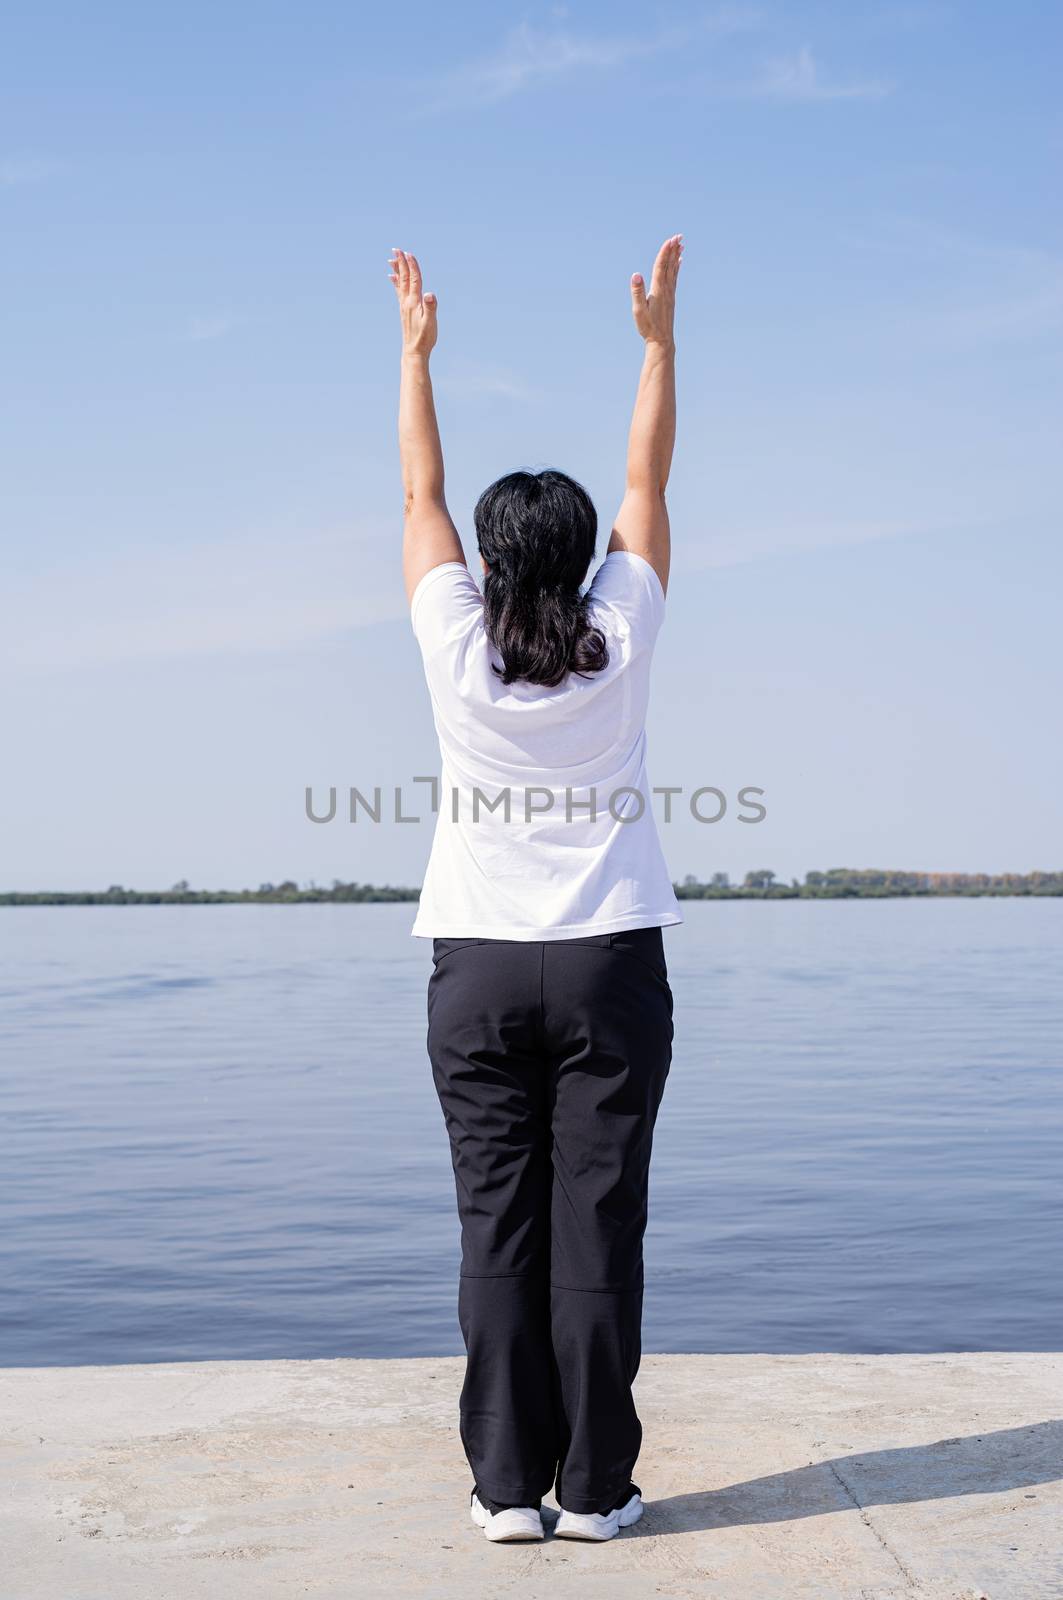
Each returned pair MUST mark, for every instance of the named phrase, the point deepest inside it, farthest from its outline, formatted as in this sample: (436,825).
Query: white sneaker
(512,1526)
(593,1525)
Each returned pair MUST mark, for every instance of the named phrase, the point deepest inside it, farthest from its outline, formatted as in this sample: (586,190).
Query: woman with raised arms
(549,1008)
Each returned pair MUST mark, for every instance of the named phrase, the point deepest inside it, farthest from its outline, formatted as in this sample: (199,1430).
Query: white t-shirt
(550,869)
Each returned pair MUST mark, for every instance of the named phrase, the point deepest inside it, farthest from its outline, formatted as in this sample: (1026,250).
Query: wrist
(415,358)
(661,347)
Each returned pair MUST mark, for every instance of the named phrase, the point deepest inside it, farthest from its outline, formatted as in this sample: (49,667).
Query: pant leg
(608,1021)
(489,1071)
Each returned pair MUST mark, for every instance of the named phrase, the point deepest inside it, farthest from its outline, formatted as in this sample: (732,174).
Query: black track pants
(550,1060)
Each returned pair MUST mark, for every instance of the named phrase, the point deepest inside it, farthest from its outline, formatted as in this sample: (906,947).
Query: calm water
(221,1138)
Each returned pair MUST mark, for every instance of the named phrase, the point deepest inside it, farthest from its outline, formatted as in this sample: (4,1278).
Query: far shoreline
(838,883)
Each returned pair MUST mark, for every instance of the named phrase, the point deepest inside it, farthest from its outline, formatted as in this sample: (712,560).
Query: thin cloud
(18,172)
(230,597)
(735,547)
(1033,315)
(530,58)
(974,291)
(490,382)
(798,79)
(200,329)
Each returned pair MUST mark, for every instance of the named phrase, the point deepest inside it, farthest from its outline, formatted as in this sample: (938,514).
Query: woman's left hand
(416,310)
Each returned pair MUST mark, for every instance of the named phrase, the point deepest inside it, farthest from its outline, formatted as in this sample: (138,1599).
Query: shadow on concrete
(984,1463)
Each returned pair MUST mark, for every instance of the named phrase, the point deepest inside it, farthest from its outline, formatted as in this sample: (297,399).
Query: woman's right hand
(655,312)
(417,311)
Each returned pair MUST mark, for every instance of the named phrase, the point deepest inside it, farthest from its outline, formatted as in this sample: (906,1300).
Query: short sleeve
(445,605)
(629,593)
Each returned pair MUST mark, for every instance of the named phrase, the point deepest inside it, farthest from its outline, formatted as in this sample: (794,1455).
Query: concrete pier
(933,1477)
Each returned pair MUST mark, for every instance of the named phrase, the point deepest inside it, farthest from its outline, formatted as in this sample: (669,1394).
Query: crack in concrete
(909,1577)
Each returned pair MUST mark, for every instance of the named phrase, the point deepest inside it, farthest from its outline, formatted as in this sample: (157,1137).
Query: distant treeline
(839,883)
(849,883)
(287,893)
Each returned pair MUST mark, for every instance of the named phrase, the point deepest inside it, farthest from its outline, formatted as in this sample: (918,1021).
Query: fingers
(666,266)
(403,265)
(405,274)
(660,268)
(638,295)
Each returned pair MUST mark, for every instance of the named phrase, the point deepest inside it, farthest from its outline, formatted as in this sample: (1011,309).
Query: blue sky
(203,611)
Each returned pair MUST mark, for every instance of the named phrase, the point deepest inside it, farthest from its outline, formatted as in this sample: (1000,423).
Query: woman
(550,1014)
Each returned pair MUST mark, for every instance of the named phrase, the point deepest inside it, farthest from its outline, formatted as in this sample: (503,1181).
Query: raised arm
(429,536)
(642,521)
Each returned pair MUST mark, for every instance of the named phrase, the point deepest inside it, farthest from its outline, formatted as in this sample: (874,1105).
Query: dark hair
(536,531)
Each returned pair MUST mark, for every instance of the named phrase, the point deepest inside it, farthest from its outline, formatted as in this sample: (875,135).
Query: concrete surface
(863,1477)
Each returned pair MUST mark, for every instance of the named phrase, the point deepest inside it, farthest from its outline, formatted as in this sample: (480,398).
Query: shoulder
(627,591)
(445,605)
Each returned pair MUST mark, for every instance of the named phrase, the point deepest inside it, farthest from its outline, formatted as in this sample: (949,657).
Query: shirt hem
(565,930)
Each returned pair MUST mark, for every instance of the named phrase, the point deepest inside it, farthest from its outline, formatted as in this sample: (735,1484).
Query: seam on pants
(532,1274)
(542,996)
(631,1288)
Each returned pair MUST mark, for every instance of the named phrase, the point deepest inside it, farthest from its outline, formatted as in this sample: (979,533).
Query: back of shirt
(545,827)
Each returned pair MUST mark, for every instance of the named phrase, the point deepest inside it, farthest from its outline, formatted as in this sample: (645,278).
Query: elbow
(648,486)
(421,499)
